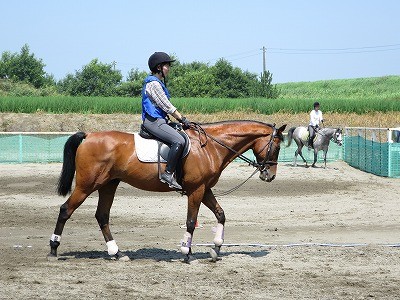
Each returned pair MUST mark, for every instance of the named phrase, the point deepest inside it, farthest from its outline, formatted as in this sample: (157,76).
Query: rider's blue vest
(148,106)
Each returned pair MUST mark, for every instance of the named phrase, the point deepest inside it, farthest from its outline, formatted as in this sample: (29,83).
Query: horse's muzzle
(266,175)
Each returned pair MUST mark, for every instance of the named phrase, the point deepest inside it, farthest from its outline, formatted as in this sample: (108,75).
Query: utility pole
(113,64)
(264,62)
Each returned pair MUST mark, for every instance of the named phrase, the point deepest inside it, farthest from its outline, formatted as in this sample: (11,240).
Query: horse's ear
(282,128)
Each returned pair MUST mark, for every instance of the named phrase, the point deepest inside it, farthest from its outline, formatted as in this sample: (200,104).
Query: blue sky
(304,39)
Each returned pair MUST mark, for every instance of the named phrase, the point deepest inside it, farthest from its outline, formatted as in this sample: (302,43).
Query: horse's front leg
(210,201)
(325,152)
(194,201)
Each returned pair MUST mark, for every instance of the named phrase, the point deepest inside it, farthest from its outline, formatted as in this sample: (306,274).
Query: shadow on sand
(158,254)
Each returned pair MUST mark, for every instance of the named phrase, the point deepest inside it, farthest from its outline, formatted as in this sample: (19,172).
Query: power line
(337,49)
(333,52)
(243,57)
(238,54)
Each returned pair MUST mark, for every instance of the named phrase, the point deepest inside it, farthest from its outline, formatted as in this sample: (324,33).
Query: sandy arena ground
(338,205)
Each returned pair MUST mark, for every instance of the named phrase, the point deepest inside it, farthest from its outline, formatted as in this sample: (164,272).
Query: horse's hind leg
(212,203)
(66,210)
(298,151)
(106,198)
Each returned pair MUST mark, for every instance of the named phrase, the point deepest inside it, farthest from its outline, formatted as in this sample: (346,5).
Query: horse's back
(103,144)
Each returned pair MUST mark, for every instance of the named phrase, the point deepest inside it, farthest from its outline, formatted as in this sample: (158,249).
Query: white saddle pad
(304,133)
(146,150)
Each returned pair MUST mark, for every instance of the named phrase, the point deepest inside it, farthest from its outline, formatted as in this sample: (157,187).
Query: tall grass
(386,87)
(69,104)
(109,105)
(363,95)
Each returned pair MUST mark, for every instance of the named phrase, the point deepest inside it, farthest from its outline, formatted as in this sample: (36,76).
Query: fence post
(20,148)
(389,136)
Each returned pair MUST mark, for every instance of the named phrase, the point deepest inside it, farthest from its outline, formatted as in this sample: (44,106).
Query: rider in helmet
(156,107)
(315,119)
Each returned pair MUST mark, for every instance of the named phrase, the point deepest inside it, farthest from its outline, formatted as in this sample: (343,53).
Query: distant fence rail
(373,150)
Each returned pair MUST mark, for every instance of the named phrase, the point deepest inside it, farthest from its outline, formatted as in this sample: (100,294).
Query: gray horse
(321,141)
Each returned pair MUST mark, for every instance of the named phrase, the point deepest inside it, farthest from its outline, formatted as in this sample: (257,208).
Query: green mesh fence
(48,147)
(32,148)
(372,155)
(286,154)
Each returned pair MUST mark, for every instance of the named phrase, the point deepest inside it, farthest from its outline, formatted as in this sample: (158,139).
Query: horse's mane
(235,121)
(280,135)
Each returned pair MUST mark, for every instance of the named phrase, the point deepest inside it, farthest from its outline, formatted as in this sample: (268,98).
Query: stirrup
(170,180)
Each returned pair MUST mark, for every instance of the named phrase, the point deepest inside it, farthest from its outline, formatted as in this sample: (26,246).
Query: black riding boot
(173,157)
(311,142)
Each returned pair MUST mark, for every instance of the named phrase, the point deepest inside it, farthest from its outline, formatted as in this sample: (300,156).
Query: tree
(25,67)
(95,79)
(231,82)
(265,88)
(132,87)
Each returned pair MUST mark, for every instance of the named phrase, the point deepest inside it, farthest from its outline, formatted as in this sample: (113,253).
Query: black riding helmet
(158,58)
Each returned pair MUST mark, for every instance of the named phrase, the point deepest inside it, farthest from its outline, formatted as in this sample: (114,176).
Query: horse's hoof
(188,259)
(121,257)
(124,258)
(52,257)
(214,255)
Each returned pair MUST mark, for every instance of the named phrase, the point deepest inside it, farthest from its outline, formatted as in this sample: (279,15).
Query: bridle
(334,138)
(260,167)
(267,162)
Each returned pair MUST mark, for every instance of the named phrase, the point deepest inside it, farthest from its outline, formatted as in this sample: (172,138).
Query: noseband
(267,162)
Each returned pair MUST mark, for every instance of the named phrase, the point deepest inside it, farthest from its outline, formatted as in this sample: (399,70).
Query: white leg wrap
(186,243)
(219,235)
(112,247)
(55,238)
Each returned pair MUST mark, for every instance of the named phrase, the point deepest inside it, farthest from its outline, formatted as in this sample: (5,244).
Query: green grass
(359,96)
(109,105)
(387,87)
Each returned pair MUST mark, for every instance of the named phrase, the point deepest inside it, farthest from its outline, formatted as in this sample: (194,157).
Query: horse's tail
(290,136)
(68,168)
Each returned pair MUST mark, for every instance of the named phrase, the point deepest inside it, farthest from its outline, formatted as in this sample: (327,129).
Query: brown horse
(106,158)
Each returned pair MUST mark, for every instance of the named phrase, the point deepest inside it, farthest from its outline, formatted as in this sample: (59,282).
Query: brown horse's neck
(238,135)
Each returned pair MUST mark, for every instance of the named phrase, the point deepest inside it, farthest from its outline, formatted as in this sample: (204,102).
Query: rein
(259,167)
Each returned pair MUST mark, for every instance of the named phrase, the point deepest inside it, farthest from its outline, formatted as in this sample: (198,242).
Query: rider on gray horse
(315,119)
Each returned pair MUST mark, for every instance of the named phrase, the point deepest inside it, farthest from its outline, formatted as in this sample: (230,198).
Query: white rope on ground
(297,245)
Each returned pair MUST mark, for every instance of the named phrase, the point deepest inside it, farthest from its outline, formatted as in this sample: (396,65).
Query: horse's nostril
(271,178)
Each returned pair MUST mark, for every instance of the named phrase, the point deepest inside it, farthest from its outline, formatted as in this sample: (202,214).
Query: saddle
(150,149)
